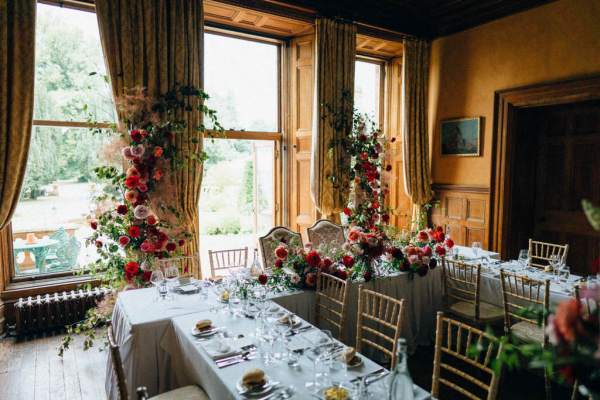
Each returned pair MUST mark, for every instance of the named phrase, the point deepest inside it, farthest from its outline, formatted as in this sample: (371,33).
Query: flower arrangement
(297,266)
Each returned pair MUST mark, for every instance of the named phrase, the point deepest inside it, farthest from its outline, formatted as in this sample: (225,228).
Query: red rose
(449,243)
(375,205)
(439,228)
(364,156)
(311,279)
(122,209)
(131,269)
(385,218)
(347,211)
(362,138)
(440,250)
(134,231)
(162,237)
(367,276)
(124,240)
(427,251)
(151,220)
(142,187)
(98,243)
(136,135)
(171,246)
(147,247)
(313,259)
(327,262)
(567,320)
(342,274)
(439,236)
(263,279)
(132,181)
(94,224)
(348,261)
(181,242)
(411,251)
(278,263)
(422,236)
(281,252)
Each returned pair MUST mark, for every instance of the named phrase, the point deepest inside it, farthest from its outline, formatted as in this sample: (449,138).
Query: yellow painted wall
(556,41)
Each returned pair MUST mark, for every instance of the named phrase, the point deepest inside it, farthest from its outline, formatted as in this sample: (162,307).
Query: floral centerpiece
(297,266)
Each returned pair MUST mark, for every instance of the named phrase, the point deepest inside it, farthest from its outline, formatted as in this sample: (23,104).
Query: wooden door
(566,169)
(302,209)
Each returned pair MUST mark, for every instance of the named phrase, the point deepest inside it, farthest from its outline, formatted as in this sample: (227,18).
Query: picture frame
(461,137)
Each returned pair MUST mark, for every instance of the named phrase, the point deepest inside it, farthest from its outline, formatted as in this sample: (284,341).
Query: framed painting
(461,137)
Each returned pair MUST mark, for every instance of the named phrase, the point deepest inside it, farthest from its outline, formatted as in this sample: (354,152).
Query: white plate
(205,333)
(321,393)
(257,391)
(296,322)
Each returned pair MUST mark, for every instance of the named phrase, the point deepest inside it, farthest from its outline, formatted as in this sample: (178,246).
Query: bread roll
(203,324)
(349,354)
(254,377)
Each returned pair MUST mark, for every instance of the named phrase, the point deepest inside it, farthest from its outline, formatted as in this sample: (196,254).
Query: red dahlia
(263,279)
(122,209)
(134,231)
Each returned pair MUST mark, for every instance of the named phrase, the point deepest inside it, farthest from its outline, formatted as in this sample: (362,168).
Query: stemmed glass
(524,258)
(157,278)
(317,354)
(476,247)
(554,262)
(171,275)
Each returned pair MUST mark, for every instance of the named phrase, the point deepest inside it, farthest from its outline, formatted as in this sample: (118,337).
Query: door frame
(506,102)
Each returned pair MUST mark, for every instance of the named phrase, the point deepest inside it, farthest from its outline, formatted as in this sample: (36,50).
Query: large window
(57,201)
(239,188)
(368,81)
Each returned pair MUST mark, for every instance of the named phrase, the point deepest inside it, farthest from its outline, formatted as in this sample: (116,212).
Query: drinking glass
(565,272)
(314,354)
(524,258)
(157,278)
(553,262)
(171,275)
(235,303)
(476,247)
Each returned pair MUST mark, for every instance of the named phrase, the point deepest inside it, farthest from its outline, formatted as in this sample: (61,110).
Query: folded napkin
(218,347)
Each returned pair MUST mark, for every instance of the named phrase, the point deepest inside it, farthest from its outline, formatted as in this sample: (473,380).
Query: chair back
(456,367)
(461,282)
(589,305)
(331,302)
(274,238)
(379,319)
(540,253)
(520,293)
(221,261)
(325,232)
(117,364)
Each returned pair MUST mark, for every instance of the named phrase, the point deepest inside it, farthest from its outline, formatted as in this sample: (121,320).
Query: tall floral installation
(136,226)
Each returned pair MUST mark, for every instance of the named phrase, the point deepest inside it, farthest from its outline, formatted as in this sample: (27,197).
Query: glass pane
(367,85)
(241,77)
(236,203)
(71,82)
(52,218)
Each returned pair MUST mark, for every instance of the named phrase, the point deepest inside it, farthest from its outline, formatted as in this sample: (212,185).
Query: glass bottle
(256,269)
(401,385)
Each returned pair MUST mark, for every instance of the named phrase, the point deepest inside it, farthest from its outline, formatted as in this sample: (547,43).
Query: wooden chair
(462,289)
(221,261)
(274,238)
(325,232)
(457,368)
(383,313)
(520,293)
(331,302)
(187,392)
(540,252)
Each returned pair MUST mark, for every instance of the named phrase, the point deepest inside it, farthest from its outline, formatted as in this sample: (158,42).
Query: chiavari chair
(274,238)
(378,314)
(521,294)
(190,392)
(460,370)
(462,292)
(326,232)
(540,253)
(222,261)
(331,303)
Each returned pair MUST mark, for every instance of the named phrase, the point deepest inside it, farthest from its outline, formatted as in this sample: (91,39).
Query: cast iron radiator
(55,311)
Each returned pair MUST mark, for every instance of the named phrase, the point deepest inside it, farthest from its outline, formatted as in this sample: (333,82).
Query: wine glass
(157,278)
(565,272)
(315,355)
(476,247)
(524,258)
(554,262)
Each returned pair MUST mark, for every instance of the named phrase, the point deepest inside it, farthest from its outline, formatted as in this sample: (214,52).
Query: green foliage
(228,226)
(247,192)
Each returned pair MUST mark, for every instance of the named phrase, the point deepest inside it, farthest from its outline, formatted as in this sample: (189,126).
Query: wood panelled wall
(302,209)
(463,212)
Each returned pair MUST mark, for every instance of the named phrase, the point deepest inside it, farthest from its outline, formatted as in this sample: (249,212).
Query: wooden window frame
(382,63)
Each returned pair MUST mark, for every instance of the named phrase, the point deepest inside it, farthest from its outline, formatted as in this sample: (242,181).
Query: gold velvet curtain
(415,139)
(17,65)
(157,44)
(336,51)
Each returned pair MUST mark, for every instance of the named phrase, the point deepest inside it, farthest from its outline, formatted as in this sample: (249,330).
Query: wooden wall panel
(463,212)
(302,210)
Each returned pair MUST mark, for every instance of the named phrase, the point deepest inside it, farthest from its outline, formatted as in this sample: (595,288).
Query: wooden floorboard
(32,370)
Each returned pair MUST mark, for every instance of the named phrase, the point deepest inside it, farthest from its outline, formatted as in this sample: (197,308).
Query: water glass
(524,258)
(476,247)
(565,272)
(157,279)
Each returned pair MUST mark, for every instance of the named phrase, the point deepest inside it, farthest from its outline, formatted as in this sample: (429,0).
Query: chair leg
(575,390)
(548,384)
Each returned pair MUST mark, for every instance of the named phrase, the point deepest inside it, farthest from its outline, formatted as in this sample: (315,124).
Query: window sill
(40,286)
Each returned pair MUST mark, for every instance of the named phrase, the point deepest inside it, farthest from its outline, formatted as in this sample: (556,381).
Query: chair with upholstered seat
(457,370)
(522,294)
(462,284)
(379,322)
(540,253)
(223,261)
(190,392)
(331,302)
(274,238)
(325,232)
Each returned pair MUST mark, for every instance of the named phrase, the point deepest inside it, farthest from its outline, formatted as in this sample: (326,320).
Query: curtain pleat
(17,66)
(415,140)
(157,44)
(335,56)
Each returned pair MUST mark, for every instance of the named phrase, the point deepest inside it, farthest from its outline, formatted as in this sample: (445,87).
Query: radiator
(55,311)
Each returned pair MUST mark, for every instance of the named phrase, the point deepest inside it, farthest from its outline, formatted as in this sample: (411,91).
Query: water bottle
(401,385)
(256,269)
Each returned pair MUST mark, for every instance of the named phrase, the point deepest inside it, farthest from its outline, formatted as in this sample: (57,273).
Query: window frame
(382,63)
